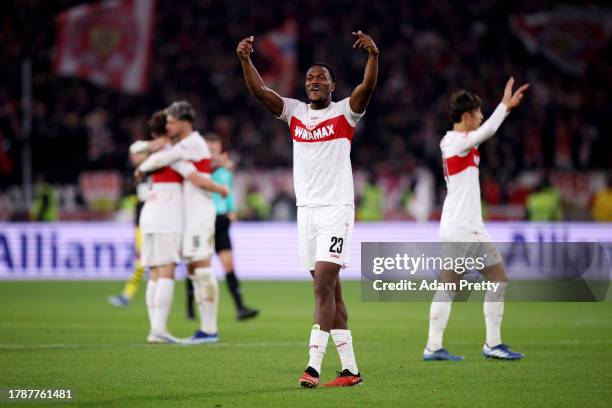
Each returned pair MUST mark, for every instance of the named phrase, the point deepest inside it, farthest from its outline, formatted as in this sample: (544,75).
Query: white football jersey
(322,173)
(199,207)
(163,209)
(460,161)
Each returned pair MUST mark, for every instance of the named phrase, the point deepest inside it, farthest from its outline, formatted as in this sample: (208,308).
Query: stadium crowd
(428,50)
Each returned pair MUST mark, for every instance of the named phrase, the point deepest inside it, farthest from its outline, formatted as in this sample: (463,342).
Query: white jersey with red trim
(460,161)
(163,209)
(322,173)
(198,204)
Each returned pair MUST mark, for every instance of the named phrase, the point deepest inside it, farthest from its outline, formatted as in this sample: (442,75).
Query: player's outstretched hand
(510,99)
(245,47)
(365,42)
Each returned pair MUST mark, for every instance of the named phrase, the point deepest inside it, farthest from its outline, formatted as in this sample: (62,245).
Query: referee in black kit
(226,213)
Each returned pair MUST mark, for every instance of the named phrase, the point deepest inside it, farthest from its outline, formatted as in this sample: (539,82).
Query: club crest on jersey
(316,134)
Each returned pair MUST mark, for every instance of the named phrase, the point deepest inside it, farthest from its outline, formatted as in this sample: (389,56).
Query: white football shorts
(160,249)
(471,241)
(324,233)
(199,245)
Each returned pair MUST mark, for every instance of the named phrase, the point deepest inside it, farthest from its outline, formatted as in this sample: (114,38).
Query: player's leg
(190,299)
(161,252)
(198,249)
(150,297)
(317,343)
(223,248)
(325,277)
(233,283)
(164,293)
(493,309)
(439,312)
(131,286)
(206,294)
(343,341)
(336,226)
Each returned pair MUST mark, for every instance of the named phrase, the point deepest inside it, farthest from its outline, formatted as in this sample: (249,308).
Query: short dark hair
(182,110)
(157,123)
(461,102)
(212,137)
(324,65)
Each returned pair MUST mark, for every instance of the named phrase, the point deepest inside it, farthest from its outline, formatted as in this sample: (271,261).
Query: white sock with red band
(344,345)
(316,347)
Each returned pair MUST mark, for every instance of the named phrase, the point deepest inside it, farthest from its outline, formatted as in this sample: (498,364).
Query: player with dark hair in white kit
(322,131)
(462,230)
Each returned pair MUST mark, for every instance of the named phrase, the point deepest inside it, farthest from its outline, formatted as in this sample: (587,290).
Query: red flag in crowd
(108,43)
(568,37)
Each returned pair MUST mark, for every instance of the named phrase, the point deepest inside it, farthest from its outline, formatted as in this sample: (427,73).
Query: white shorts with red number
(324,233)
(160,249)
(470,240)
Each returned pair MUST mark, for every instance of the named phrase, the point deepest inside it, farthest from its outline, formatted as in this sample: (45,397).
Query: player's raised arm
(362,92)
(270,99)
(509,101)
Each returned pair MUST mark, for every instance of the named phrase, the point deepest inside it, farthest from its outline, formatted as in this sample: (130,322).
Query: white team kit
(323,179)
(461,221)
(178,217)
(200,214)
(161,219)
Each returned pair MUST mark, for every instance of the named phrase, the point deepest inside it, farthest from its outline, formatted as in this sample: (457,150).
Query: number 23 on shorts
(336,245)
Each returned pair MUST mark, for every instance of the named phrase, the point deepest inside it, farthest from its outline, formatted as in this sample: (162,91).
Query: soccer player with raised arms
(322,131)
(462,230)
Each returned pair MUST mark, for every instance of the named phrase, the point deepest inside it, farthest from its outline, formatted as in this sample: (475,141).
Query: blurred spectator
(283,206)
(45,206)
(544,204)
(422,200)
(602,205)
(256,207)
(371,201)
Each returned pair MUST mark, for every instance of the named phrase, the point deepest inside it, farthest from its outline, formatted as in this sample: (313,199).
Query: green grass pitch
(65,335)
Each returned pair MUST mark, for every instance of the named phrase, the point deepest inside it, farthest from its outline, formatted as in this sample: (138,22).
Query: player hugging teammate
(177,221)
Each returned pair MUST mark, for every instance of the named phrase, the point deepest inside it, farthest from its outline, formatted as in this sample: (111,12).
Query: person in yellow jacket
(46,205)
(602,205)
(544,204)
(371,201)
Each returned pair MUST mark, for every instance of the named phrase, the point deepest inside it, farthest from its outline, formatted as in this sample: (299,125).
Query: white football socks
(206,294)
(164,293)
(316,347)
(493,309)
(150,300)
(344,345)
(438,317)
